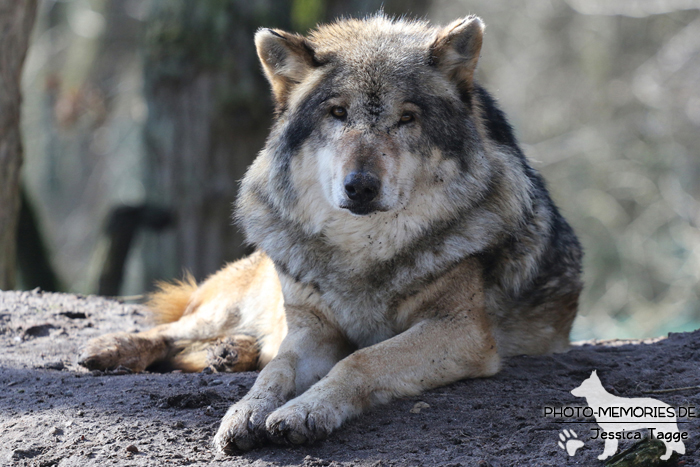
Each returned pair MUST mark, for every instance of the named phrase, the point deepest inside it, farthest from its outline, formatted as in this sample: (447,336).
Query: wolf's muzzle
(361,190)
(361,187)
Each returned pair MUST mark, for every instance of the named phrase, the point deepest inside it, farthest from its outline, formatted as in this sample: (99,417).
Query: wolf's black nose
(362,187)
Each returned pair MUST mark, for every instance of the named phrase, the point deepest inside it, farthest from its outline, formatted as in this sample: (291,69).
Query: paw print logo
(569,442)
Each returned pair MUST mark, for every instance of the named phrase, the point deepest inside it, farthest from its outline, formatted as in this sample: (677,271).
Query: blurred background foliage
(139,117)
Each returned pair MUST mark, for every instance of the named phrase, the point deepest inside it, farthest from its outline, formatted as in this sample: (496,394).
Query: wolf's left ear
(456,50)
(286,59)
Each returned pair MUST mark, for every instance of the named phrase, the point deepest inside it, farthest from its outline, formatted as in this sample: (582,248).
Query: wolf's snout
(361,187)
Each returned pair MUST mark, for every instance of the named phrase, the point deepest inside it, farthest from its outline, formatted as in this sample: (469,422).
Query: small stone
(418,406)
(55,431)
(132,449)
(59,365)
(209,410)
(119,371)
(216,382)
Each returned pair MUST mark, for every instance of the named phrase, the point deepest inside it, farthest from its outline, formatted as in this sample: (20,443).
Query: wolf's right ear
(286,59)
(456,49)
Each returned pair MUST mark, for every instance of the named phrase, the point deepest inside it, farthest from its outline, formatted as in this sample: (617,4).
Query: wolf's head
(370,111)
(589,387)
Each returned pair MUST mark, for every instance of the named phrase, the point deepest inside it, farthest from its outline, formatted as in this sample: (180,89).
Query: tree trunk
(16,20)
(207,117)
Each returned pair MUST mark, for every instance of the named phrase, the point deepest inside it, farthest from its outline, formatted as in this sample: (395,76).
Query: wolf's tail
(171,299)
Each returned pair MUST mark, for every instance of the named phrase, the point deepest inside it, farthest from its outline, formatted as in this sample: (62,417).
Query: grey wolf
(403,240)
(617,414)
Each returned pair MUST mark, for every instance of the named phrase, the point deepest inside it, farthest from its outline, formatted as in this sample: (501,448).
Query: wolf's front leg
(432,353)
(310,349)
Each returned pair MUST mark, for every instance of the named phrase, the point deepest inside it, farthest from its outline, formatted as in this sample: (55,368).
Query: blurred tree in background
(83,114)
(135,105)
(150,104)
(16,20)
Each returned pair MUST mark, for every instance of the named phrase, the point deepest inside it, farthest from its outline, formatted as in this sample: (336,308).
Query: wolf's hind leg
(237,353)
(609,449)
(184,345)
(192,343)
(134,351)
(234,321)
(671,446)
(230,354)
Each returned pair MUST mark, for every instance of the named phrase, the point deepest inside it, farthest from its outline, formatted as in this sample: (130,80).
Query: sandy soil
(53,412)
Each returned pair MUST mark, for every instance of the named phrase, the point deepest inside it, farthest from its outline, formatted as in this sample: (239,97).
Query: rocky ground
(52,412)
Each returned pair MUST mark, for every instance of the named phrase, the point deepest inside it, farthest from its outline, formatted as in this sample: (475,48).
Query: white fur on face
(329,174)
(320,175)
(410,194)
(396,182)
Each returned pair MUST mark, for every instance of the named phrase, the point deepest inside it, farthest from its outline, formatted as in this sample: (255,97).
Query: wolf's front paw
(243,426)
(301,422)
(121,348)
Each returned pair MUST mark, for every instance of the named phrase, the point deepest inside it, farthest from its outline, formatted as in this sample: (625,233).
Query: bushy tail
(171,300)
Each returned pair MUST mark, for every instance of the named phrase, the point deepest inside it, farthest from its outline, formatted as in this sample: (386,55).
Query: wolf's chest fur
(359,292)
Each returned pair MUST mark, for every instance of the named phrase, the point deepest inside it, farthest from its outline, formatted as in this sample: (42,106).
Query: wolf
(616,414)
(403,239)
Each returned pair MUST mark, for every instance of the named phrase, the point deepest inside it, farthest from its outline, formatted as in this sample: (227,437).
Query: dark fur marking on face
(374,105)
(304,119)
(448,126)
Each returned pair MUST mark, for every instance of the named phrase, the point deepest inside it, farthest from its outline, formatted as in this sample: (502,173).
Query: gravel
(53,412)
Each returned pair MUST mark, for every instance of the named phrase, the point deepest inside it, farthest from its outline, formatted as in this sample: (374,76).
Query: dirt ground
(53,412)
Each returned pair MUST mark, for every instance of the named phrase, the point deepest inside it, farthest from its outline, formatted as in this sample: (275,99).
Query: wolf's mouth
(360,209)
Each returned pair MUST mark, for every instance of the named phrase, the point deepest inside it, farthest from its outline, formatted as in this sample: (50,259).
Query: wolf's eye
(407,117)
(339,112)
